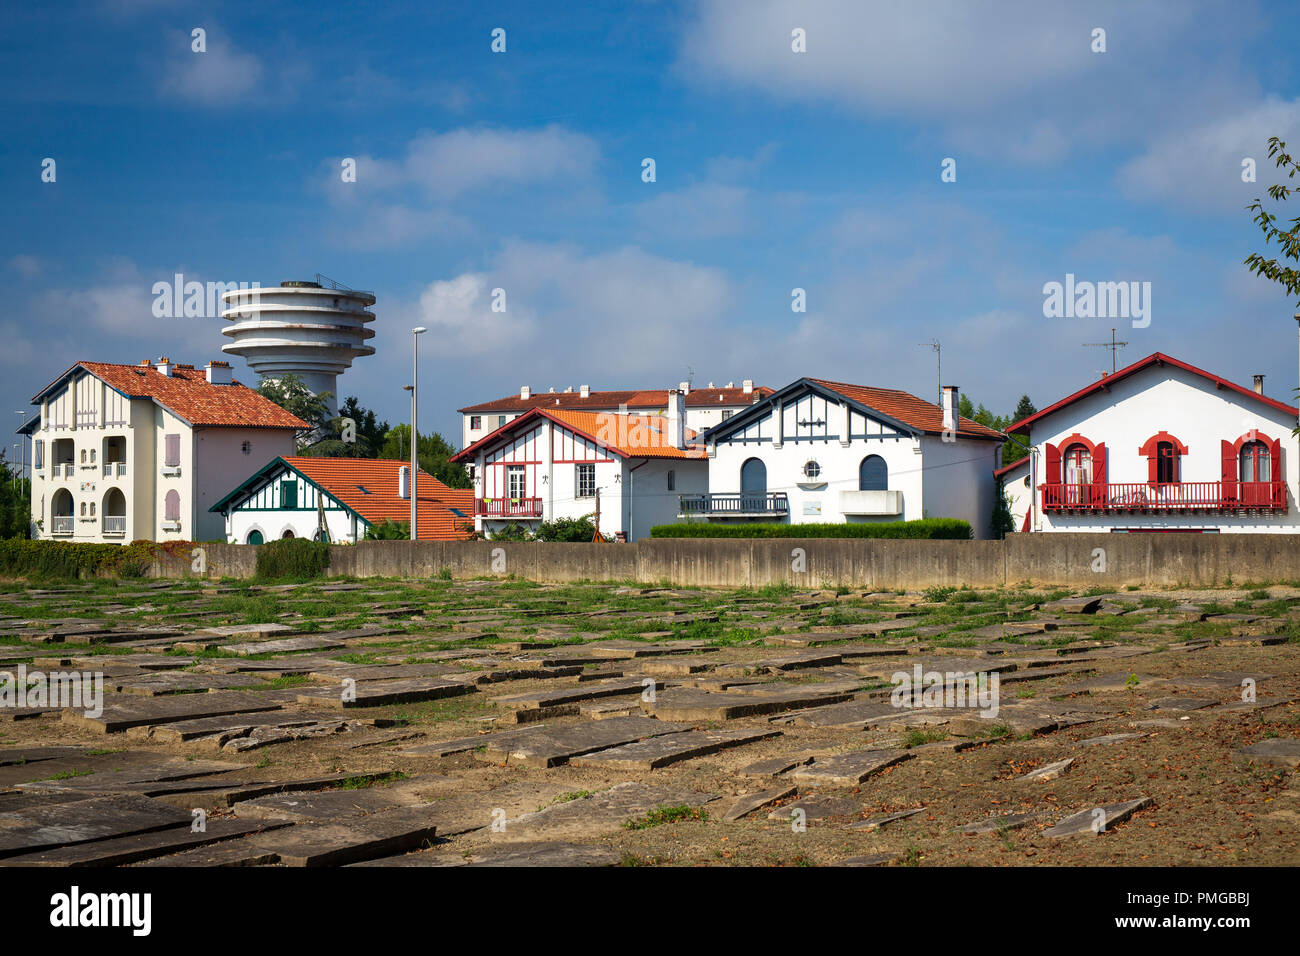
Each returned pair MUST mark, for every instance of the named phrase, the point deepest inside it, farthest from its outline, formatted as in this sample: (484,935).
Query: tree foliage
(434,453)
(290,393)
(356,432)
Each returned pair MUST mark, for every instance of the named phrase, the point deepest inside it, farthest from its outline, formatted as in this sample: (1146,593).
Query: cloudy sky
(774,171)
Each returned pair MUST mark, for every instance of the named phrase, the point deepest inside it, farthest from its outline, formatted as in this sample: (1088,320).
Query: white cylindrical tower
(311,330)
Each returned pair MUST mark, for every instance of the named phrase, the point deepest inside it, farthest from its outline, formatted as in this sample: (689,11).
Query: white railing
(68,468)
(112,468)
(62,524)
(114,524)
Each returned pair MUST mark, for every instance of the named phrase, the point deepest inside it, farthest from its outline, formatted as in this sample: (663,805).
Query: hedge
(295,559)
(924,528)
(68,561)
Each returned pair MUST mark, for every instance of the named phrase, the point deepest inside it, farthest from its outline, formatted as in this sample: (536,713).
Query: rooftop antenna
(690,376)
(938,359)
(1112,345)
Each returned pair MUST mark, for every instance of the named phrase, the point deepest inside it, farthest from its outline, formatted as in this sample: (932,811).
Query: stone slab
(554,745)
(123,711)
(850,769)
(383,693)
(666,749)
(1083,822)
(45,827)
(756,801)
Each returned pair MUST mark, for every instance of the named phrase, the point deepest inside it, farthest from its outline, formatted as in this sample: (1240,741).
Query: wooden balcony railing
(1179,496)
(508,507)
(735,505)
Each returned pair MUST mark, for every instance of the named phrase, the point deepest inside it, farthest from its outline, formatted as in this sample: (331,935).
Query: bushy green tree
(290,393)
(434,453)
(389,531)
(356,432)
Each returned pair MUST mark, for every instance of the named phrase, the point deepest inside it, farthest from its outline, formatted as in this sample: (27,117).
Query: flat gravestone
(124,711)
(143,846)
(1005,821)
(572,695)
(756,801)
(697,705)
(817,808)
(551,746)
(383,693)
(286,646)
(1275,752)
(880,822)
(46,827)
(849,770)
(319,806)
(363,838)
(773,766)
(1097,819)
(1049,772)
(601,812)
(668,749)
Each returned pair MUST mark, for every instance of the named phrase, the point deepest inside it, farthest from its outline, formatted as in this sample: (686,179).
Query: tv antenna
(1112,345)
(938,359)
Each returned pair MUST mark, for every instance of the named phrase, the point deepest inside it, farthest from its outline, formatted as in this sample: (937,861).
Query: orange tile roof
(186,393)
(633,436)
(633,398)
(345,477)
(907,408)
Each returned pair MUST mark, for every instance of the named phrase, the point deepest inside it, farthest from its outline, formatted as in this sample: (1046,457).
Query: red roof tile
(187,394)
(632,436)
(908,409)
(344,478)
(654,398)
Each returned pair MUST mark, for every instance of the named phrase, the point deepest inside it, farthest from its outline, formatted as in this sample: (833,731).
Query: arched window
(1164,454)
(1253,461)
(172,506)
(254,537)
(288,533)
(753,485)
(873,474)
(1076,465)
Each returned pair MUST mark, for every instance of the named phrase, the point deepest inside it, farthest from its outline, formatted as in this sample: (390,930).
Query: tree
(1288,240)
(1003,522)
(434,454)
(1024,408)
(355,433)
(289,392)
(389,531)
(15,503)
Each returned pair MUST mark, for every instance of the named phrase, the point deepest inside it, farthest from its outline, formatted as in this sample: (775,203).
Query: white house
(564,463)
(819,451)
(123,452)
(1163,446)
(339,500)
(1017,486)
(706,406)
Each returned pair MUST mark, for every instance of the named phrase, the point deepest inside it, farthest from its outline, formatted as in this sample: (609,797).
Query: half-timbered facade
(548,464)
(820,451)
(1163,446)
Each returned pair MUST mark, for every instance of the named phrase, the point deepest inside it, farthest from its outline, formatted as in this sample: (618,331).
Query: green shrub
(68,561)
(295,559)
(389,531)
(924,528)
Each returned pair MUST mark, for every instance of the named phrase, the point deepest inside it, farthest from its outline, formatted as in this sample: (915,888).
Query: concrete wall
(1076,560)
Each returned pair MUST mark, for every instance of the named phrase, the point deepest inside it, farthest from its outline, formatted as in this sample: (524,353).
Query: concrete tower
(310,329)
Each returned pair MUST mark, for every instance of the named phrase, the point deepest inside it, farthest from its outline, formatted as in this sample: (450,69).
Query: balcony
(737,505)
(62,524)
(871,502)
(65,469)
(507,507)
(114,524)
(1185,497)
(114,469)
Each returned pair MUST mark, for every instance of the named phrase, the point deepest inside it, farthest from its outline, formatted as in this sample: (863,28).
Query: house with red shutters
(1158,446)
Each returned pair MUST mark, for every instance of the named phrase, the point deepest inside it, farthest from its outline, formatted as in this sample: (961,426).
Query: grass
(660,816)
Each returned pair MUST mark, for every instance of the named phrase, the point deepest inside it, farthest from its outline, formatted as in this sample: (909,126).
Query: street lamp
(415,443)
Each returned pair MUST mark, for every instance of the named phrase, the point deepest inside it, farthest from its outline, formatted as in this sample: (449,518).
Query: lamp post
(415,407)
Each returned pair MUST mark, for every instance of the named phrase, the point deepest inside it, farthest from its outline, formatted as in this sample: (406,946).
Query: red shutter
(1153,464)
(1099,475)
(1228,471)
(1052,479)
(1277,493)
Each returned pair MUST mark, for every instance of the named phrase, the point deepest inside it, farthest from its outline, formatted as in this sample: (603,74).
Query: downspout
(631,498)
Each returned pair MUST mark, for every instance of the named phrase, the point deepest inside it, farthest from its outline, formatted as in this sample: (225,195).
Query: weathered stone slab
(880,822)
(286,646)
(48,826)
(363,838)
(243,630)
(874,859)
(1275,752)
(862,712)
(383,693)
(756,801)
(572,695)
(817,808)
(123,711)
(1005,821)
(697,705)
(849,770)
(1049,772)
(601,812)
(670,748)
(1073,605)
(143,846)
(774,766)
(551,746)
(1107,739)
(319,806)
(1108,816)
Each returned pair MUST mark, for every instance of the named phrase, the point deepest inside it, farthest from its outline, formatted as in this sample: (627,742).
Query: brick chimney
(950,403)
(219,373)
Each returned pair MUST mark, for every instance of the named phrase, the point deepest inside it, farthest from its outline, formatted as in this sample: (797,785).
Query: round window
(811,469)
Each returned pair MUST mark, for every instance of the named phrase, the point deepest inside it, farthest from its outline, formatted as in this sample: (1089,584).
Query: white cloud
(27,266)
(225,76)
(1202,166)
(701,211)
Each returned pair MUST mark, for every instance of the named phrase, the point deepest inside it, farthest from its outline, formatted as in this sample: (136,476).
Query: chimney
(684,388)
(1259,384)
(219,373)
(748,386)
(950,408)
(676,416)
(164,366)
(584,391)
(525,392)
(404,482)
(569,390)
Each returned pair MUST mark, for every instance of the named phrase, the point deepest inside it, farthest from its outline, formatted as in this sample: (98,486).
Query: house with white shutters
(127,452)
(822,451)
(338,500)
(624,470)
(706,406)
(1160,446)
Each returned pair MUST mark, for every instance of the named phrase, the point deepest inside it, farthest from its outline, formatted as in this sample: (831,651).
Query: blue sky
(774,171)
